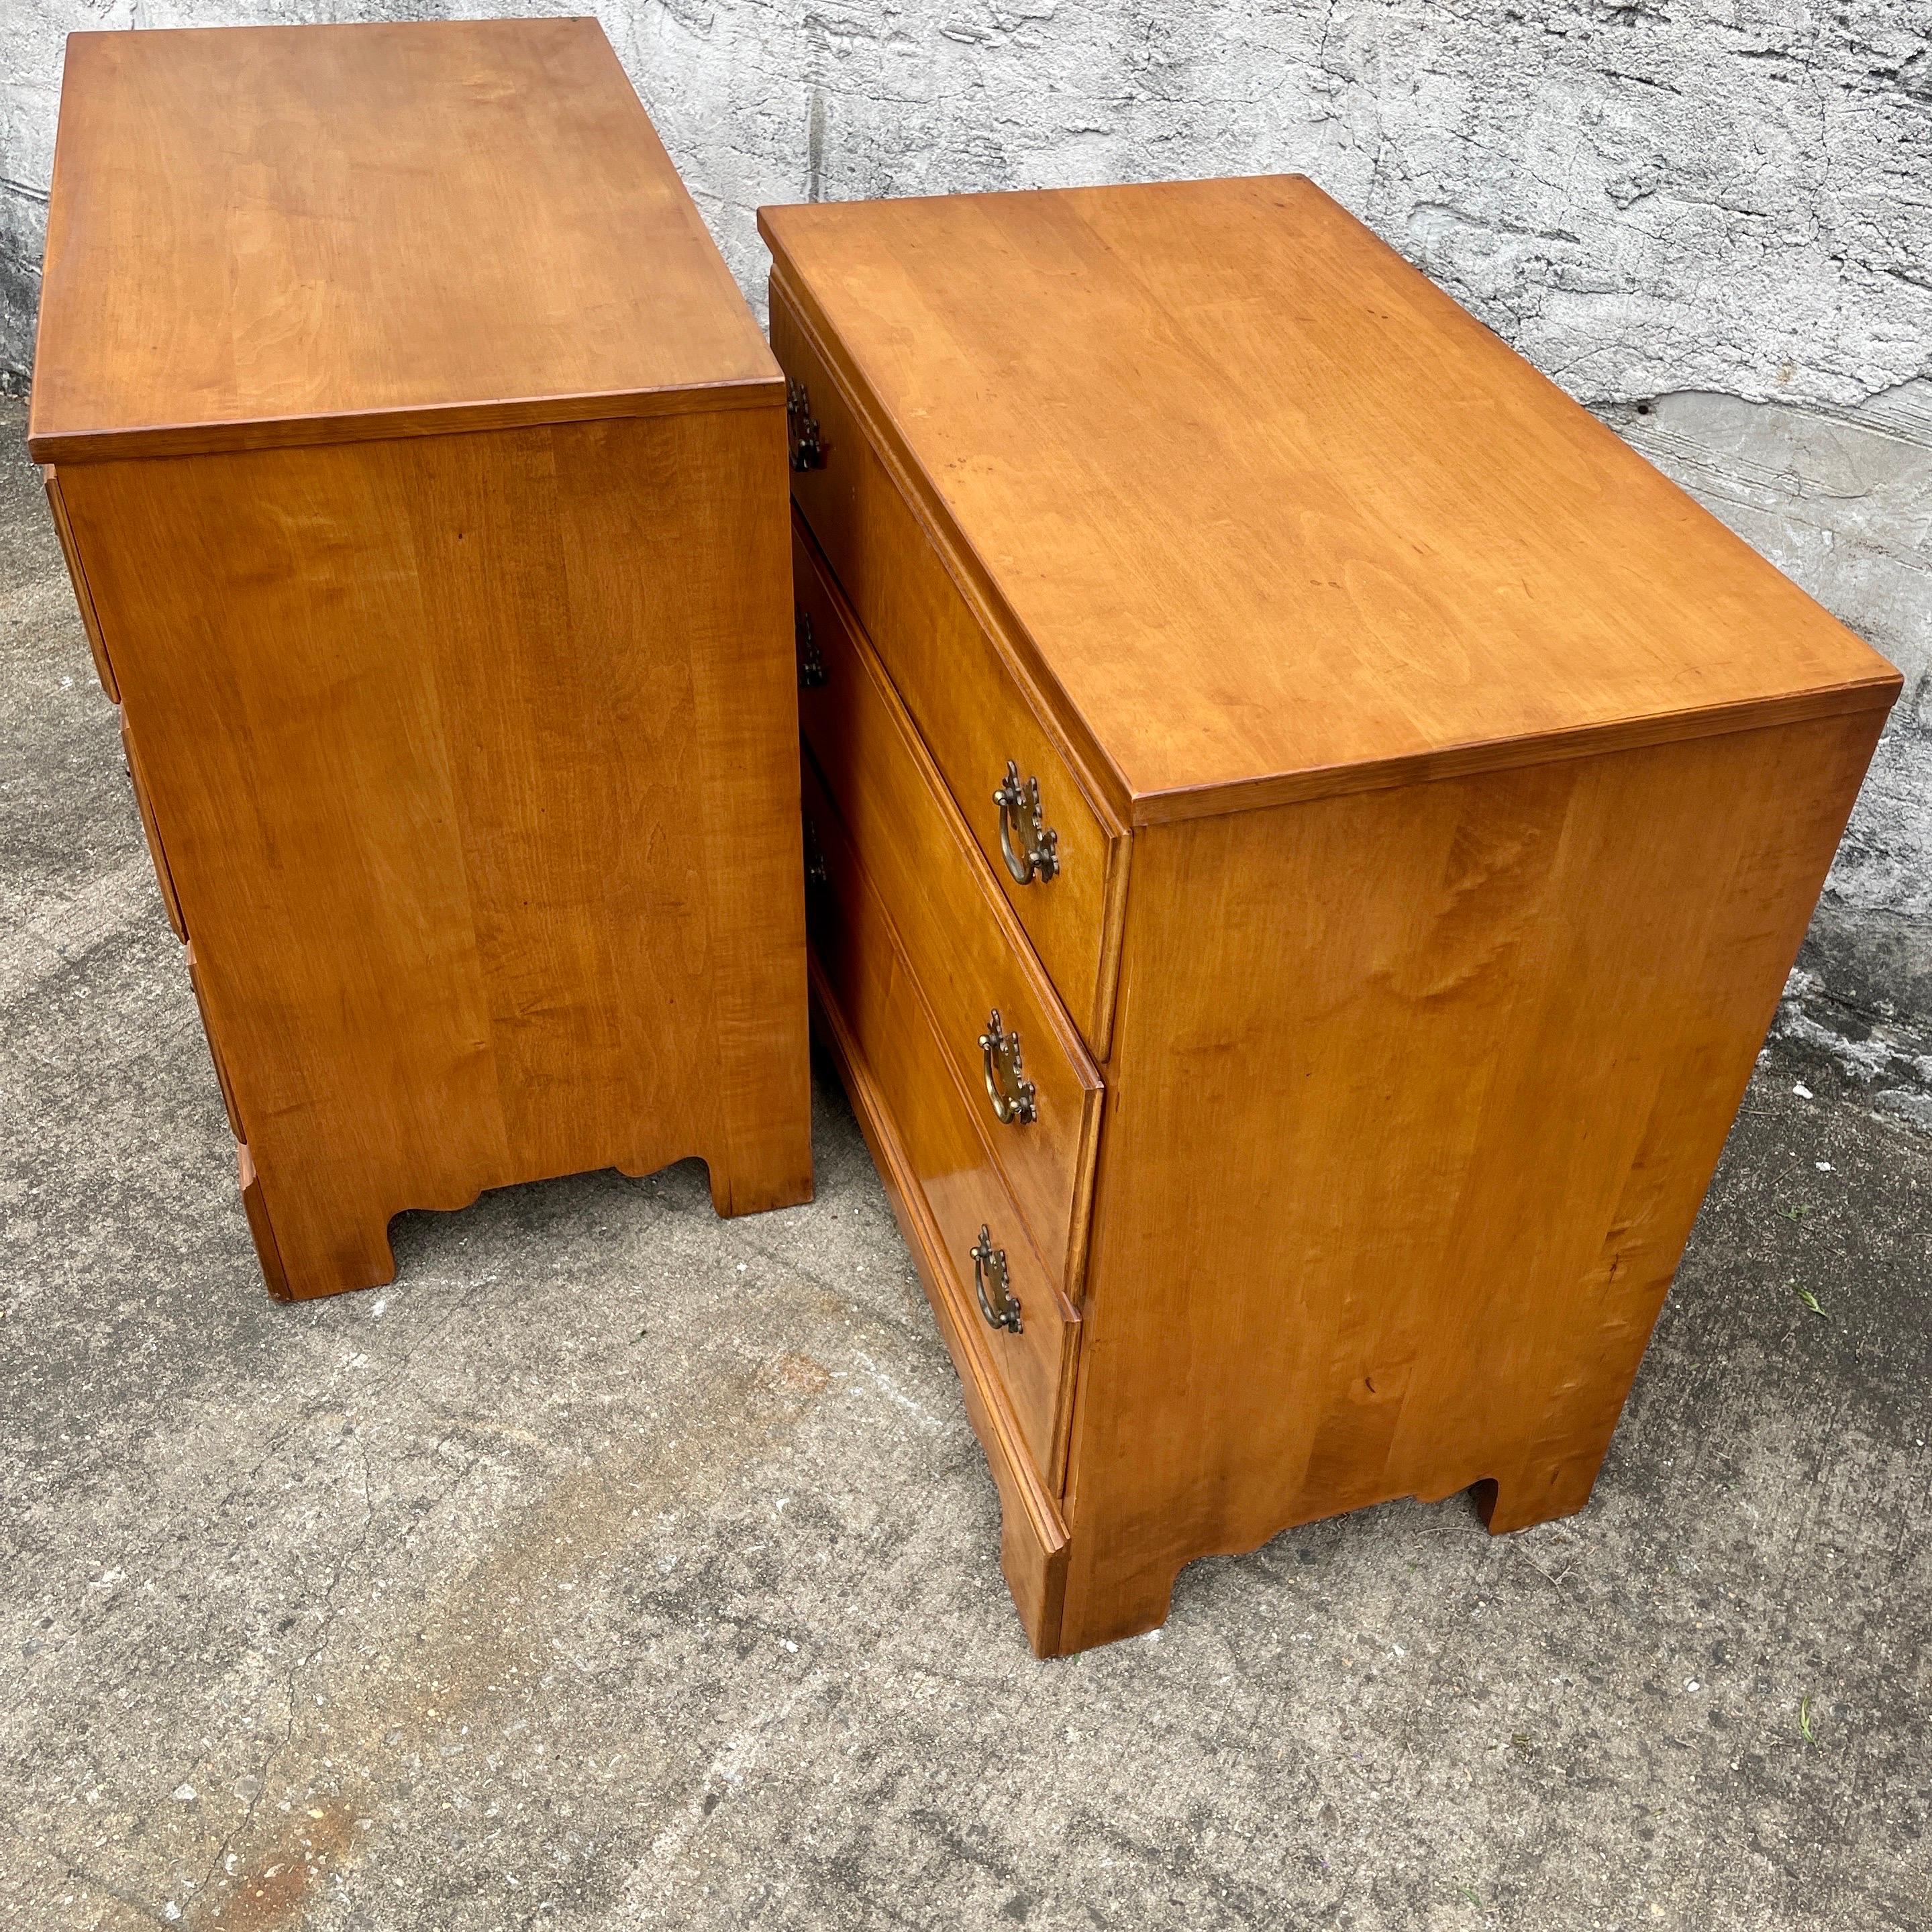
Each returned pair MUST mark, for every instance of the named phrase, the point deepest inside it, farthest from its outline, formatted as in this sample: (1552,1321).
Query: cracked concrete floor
(621,1567)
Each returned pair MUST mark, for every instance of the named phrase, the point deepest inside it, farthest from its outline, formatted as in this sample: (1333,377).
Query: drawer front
(967,707)
(1011,1045)
(89,620)
(880,1007)
(163,877)
(255,1206)
(215,1047)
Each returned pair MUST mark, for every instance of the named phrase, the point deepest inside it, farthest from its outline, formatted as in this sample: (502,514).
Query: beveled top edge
(831,261)
(273,236)
(141,441)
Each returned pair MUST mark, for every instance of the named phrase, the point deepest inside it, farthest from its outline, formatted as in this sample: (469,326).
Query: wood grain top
(1266,515)
(283,234)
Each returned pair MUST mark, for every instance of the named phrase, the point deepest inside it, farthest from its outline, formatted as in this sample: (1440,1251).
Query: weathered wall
(1842,502)
(1709,218)
(1643,195)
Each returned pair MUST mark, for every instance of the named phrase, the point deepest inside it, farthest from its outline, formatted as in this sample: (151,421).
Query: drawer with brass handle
(1004,1295)
(1040,1101)
(1427,777)
(1029,845)
(993,1284)
(816,877)
(1013,1096)
(1044,843)
(802,436)
(811,665)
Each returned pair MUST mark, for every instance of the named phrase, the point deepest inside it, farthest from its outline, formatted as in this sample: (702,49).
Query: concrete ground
(618,1567)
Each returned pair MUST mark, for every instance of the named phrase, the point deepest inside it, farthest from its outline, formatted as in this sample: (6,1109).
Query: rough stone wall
(1710,219)
(1643,195)
(1841,502)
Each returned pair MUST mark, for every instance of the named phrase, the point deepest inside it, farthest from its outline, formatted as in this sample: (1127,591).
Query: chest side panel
(1414,1098)
(473,759)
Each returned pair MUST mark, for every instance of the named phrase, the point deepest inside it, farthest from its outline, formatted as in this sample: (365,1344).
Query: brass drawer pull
(1001,1307)
(1020,813)
(808,449)
(817,874)
(811,665)
(1012,1094)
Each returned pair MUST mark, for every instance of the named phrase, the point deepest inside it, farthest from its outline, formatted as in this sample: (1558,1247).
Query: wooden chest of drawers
(421,477)
(1311,832)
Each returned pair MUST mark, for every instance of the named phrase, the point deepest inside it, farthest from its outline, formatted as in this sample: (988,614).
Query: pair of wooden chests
(1303,833)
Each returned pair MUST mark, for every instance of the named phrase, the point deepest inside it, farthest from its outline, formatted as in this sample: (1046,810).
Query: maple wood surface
(472,761)
(89,622)
(972,714)
(151,831)
(422,485)
(292,234)
(940,1146)
(1417,1096)
(1464,793)
(1032,1535)
(1267,515)
(963,945)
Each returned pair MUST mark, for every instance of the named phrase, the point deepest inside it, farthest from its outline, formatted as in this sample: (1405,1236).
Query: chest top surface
(276,235)
(1267,513)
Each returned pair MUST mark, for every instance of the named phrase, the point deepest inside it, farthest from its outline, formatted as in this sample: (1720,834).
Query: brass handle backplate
(801,432)
(811,665)
(1012,1094)
(998,1302)
(1037,855)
